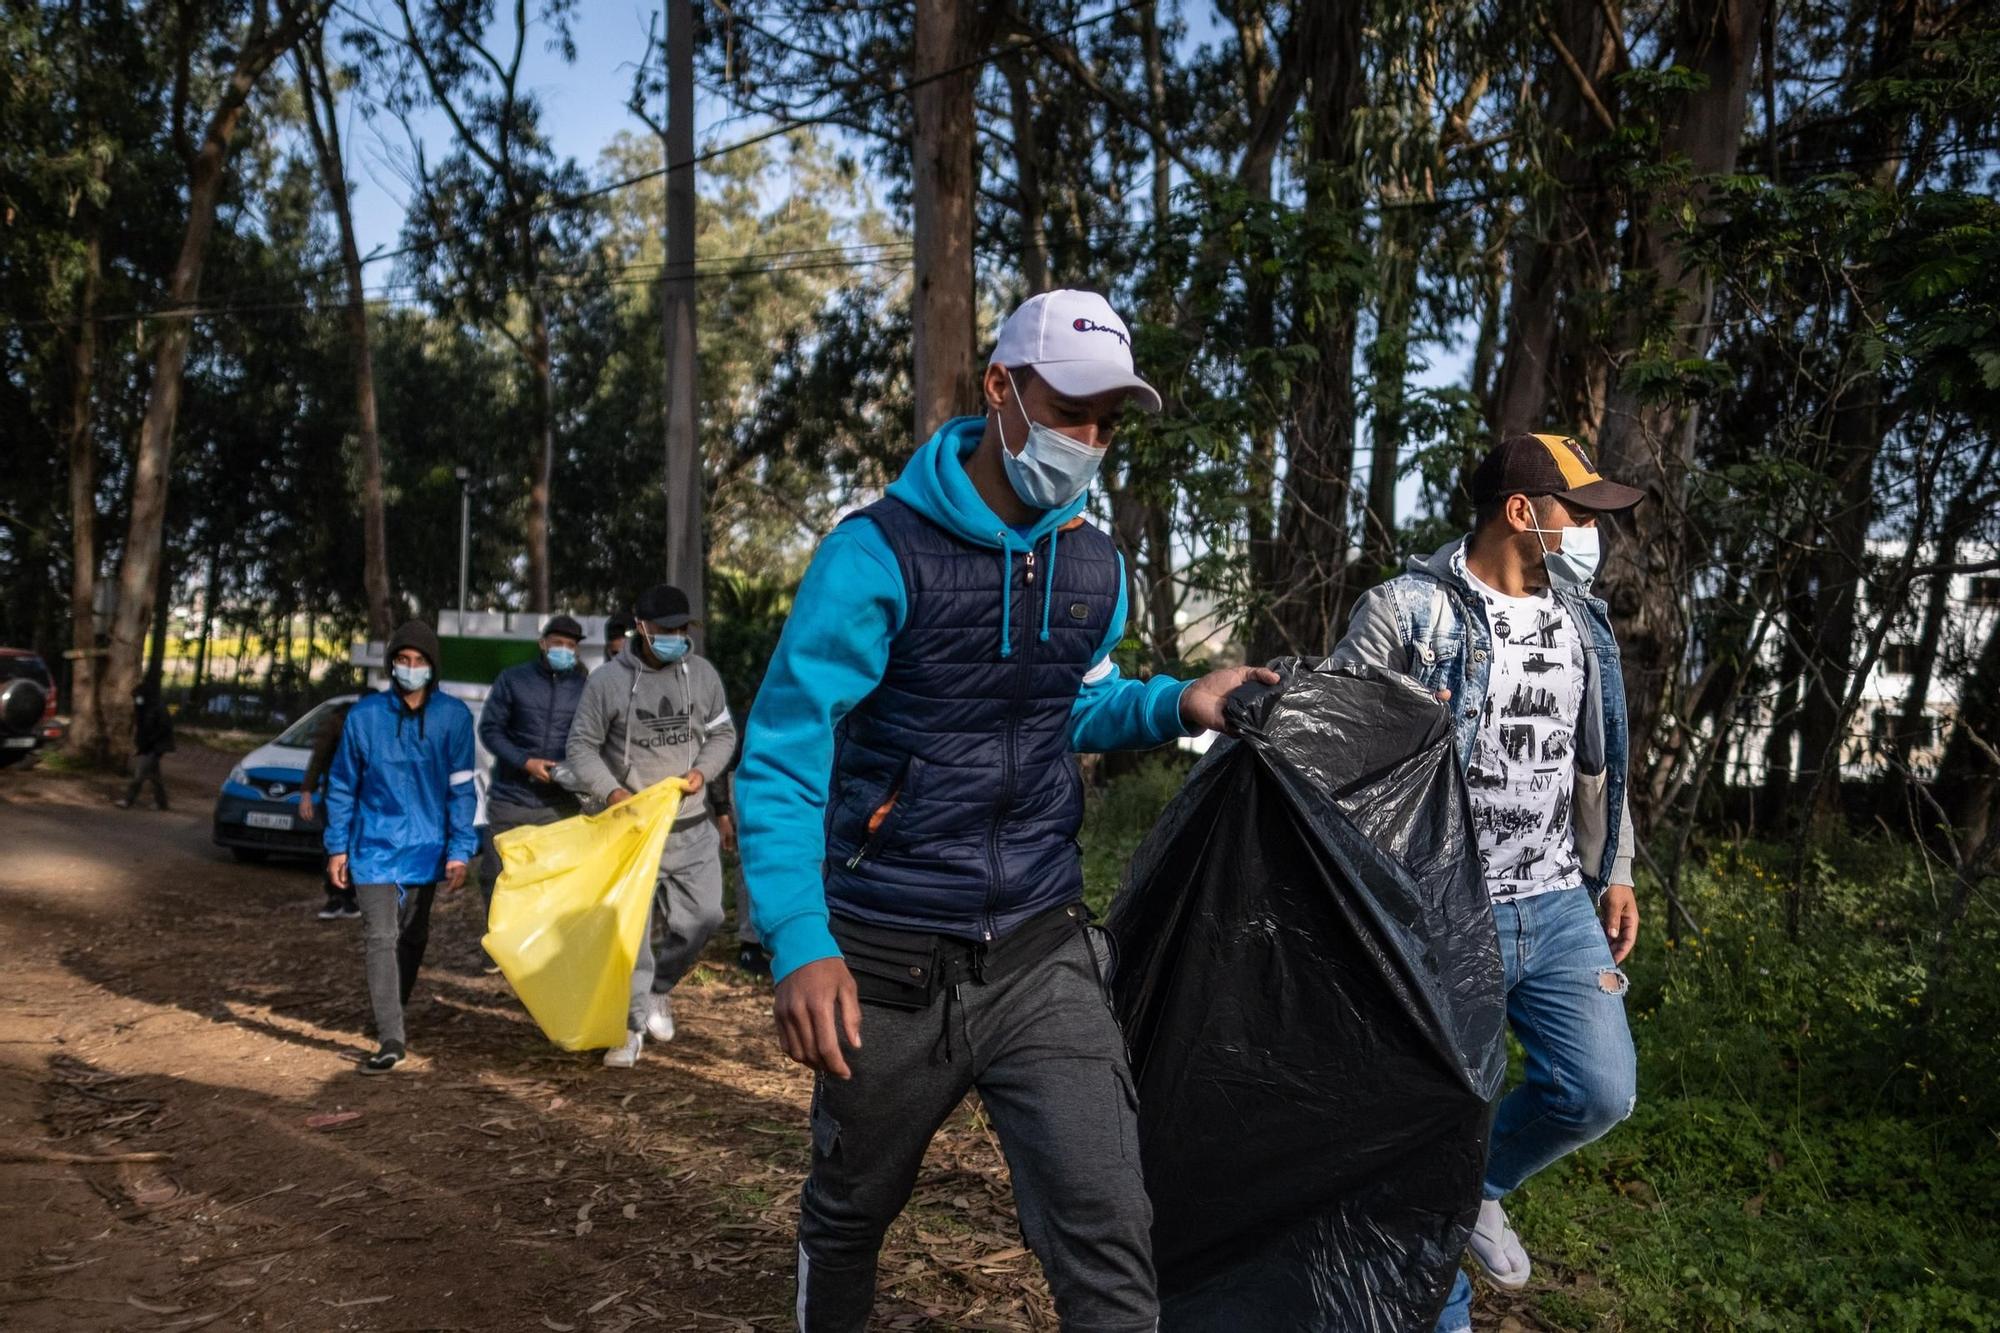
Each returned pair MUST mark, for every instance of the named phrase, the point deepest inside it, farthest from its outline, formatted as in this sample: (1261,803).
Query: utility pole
(464,538)
(683,478)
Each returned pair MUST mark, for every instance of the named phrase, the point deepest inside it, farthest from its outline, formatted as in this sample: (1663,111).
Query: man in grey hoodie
(658,711)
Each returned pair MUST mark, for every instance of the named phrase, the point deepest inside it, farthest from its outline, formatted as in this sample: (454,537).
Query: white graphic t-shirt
(1523,771)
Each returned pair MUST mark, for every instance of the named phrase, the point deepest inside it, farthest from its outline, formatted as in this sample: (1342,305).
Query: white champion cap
(1076,342)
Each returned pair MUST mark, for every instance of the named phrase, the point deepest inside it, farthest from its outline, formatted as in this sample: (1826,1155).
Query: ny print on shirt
(1523,771)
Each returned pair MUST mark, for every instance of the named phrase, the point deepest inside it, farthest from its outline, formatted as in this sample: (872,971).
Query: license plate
(257,820)
(18,743)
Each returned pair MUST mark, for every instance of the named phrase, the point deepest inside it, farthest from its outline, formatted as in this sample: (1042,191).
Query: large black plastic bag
(1310,983)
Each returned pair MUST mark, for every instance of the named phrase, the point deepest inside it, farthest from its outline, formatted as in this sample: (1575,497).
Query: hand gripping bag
(1309,981)
(569,914)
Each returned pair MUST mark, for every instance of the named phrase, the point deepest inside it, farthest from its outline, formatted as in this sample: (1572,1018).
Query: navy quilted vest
(962,752)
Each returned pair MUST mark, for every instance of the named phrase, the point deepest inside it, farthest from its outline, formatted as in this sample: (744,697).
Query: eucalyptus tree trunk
(323,126)
(139,572)
(944,139)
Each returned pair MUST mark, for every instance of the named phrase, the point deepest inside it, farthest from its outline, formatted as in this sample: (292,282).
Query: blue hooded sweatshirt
(834,653)
(400,800)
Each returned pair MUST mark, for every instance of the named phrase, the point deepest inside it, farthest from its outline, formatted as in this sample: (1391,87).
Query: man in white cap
(909,803)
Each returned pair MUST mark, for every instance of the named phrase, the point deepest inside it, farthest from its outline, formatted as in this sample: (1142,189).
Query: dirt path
(174,1027)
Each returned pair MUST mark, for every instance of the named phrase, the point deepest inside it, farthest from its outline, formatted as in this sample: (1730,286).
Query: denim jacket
(1428,624)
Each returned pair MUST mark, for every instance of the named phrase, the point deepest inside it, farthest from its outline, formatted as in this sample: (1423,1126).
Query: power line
(596,192)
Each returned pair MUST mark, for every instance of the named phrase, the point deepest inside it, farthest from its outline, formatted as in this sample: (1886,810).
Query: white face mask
(410,678)
(1052,469)
(1573,564)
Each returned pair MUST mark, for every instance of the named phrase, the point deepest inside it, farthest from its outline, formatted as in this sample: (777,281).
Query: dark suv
(27,705)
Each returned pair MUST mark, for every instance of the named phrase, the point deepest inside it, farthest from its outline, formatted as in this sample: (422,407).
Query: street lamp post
(464,475)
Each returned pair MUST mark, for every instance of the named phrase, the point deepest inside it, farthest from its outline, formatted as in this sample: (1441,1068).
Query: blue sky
(583,107)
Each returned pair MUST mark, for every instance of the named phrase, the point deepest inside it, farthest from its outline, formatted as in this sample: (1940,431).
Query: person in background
(614,638)
(524,724)
(152,741)
(658,711)
(340,903)
(400,806)
(1506,615)
(910,801)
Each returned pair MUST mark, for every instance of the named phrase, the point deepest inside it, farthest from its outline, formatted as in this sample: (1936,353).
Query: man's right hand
(541,770)
(306,806)
(336,870)
(818,1008)
(617,796)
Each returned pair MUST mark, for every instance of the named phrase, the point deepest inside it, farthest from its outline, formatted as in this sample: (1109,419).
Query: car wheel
(8,758)
(250,856)
(21,704)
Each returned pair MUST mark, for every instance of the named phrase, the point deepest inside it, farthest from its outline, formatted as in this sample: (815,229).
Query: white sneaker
(624,1057)
(1497,1249)
(660,1019)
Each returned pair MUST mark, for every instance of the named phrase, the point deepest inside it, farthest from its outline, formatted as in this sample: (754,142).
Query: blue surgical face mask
(1052,469)
(561,659)
(670,647)
(411,678)
(1573,564)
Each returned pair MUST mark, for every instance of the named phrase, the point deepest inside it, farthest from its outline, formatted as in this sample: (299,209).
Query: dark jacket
(326,740)
(527,715)
(952,664)
(955,800)
(153,728)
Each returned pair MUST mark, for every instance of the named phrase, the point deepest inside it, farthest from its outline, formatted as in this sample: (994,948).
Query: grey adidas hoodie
(637,724)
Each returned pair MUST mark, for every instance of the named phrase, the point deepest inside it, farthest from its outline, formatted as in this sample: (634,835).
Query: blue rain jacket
(399,800)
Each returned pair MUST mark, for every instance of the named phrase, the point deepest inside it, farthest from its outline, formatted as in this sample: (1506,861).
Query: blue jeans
(1566,1004)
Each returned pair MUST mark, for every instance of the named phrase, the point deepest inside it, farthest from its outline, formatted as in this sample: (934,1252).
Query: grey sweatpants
(393,936)
(1045,1054)
(687,910)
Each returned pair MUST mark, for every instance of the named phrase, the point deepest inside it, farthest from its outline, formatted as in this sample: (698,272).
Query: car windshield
(23,668)
(300,734)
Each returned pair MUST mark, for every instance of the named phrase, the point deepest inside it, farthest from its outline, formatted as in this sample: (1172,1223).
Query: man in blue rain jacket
(399,810)
(910,800)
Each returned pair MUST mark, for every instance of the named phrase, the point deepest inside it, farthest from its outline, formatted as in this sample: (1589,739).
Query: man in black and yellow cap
(1500,625)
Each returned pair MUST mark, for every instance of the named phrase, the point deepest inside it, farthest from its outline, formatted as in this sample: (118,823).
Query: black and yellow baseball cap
(1548,465)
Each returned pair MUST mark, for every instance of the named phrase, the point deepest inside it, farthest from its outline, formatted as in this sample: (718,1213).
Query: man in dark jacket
(340,903)
(524,724)
(910,801)
(399,810)
(153,738)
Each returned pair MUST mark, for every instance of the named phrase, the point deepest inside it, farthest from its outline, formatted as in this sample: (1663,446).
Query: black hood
(414,634)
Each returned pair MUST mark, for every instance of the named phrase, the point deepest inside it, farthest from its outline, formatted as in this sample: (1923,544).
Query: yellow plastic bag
(569,913)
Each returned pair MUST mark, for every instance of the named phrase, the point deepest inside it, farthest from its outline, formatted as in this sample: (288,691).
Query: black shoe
(384,1060)
(332,910)
(349,911)
(123,805)
(752,959)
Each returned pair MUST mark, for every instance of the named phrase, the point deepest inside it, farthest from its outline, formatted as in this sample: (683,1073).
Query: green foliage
(1116,817)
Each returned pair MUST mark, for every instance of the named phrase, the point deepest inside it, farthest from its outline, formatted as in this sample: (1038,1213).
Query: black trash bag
(1309,980)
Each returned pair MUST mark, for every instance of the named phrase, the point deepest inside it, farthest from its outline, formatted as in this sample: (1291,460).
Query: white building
(1972,600)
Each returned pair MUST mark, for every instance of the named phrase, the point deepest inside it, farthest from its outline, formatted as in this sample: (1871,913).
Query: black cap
(414,634)
(1548,465)
(564,625)
(663,606)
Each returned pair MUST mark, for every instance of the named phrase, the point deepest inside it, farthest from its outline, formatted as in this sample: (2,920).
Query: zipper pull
(1031,569)
(855,859)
